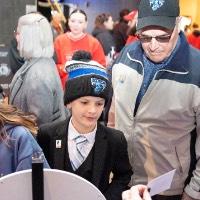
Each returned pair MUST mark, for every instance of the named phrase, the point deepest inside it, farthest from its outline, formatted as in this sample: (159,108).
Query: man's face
(158,43)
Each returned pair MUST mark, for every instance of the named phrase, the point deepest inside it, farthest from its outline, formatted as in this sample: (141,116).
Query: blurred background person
(194,37)
(74,40)
(131,18)
(57,24)
(103,31)
(36,87)
(17,142)
(15,60)
(120,30)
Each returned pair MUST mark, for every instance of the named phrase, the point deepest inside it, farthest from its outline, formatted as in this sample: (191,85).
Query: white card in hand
(161,183)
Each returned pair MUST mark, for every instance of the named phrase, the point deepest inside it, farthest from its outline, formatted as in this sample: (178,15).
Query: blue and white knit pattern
(155,4)
(77,69)
(98,85)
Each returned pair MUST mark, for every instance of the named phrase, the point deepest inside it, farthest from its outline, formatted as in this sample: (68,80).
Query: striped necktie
(80,151)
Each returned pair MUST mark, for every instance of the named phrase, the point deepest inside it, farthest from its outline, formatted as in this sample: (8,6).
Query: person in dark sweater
(102,31)
(120,31)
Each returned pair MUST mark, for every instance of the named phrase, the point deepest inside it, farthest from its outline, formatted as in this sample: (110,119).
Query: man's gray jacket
(159,134)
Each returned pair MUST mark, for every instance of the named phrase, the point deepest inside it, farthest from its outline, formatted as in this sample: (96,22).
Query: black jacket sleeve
(122,171)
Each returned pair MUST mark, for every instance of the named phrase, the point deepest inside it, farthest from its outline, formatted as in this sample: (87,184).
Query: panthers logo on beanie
(98,85)
(155,4)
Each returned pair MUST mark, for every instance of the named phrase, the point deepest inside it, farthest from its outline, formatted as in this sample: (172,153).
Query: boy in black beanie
(82,145)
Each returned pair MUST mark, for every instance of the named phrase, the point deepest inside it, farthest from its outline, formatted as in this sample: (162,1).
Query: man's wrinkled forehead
(155,28)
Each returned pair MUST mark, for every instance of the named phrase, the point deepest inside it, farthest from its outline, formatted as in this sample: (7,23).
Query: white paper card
(161,183)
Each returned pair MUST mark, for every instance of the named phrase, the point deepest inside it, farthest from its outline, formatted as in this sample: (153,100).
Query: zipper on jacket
(149,88)
(137,61)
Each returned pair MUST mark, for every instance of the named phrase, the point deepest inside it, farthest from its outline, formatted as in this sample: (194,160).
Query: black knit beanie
(86,78)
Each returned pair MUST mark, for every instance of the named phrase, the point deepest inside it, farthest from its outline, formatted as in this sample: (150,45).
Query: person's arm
(122,169)
(25,146)
(192,190)
(137,192)
(97,52)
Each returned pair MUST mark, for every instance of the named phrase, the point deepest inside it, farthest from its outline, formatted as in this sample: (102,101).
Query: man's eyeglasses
(159,38)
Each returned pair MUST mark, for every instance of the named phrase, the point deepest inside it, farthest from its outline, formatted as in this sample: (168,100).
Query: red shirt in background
(65,47)
(194,39)
(131,38)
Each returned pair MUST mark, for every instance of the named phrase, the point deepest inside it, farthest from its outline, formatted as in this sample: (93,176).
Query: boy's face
(85,112)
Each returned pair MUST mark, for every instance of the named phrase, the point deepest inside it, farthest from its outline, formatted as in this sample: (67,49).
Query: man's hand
(137,192)
(186,197)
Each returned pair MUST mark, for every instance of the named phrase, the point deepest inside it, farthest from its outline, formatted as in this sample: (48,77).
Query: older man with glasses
(156,101)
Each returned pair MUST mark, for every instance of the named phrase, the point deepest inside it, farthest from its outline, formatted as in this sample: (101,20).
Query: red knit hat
(131,15)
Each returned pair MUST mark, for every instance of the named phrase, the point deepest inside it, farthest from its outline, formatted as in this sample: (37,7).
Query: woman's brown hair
(100,19)
(11,115)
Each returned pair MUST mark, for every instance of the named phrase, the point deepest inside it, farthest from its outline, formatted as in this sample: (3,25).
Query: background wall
(191,8)
(10,11)
(95,7)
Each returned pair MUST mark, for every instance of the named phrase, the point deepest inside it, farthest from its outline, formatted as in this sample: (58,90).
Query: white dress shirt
(73,133)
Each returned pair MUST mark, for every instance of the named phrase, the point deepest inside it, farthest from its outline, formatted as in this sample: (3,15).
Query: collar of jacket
(179,62)
(100,149)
